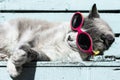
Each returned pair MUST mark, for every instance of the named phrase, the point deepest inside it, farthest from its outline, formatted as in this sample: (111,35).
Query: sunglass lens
(76,20)
(84,41)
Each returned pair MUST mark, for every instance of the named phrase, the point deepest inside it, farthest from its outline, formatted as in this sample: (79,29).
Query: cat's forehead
(101,24)
(99,21)
(96,22)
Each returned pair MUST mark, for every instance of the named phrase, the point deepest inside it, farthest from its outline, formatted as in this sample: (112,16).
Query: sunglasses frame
(79,30)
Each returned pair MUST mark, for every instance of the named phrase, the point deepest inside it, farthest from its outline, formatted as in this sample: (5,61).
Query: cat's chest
(61,52)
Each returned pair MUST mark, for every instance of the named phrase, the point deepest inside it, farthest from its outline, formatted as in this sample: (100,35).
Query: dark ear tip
(94,12)
(94,5)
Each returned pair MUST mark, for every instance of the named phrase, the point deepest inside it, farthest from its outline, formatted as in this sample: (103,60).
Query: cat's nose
(110,39)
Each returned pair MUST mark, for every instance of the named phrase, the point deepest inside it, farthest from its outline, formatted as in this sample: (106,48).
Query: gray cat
(24,40)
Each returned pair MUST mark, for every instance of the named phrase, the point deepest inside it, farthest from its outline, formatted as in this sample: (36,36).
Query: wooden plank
(58,5)
(68,64)
(64,73)
(111,19)
(77,74)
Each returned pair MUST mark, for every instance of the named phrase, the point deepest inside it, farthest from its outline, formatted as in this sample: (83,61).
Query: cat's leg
(34,54)
(21,56)
(15,62)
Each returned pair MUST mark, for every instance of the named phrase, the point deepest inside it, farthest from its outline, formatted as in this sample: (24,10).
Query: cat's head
(100,32)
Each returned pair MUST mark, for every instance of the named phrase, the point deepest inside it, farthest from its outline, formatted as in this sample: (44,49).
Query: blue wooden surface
(64,71)
(58,70)
(58,5)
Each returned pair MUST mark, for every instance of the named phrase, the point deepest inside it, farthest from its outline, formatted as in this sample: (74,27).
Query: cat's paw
(19,57)
(14,65)
(13,70)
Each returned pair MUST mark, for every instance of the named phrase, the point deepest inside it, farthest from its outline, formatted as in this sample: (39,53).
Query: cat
(24,40)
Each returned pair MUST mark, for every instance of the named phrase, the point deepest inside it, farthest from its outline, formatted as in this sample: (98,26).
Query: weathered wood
(93,64)
(65,71)
(58,5)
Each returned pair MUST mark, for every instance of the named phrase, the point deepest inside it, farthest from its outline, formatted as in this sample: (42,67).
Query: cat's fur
(23,40)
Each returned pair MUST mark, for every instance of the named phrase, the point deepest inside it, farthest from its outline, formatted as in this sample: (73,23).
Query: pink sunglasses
(83,40)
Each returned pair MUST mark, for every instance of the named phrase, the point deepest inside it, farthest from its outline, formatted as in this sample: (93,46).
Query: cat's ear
(94,12)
